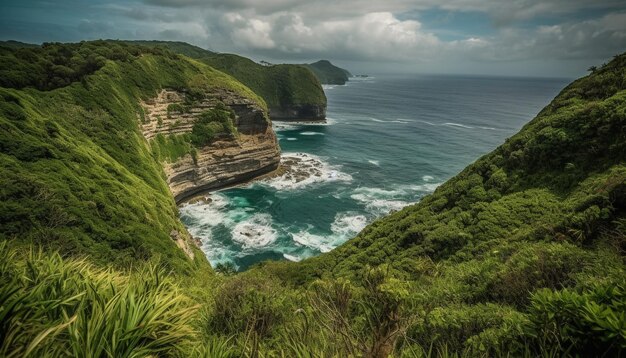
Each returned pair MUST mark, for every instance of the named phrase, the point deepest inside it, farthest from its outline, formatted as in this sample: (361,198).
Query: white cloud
(301,33)
(378,35)
(390,32)
(253,33)
(502,11)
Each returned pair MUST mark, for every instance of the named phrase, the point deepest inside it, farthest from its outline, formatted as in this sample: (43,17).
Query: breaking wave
(304,169)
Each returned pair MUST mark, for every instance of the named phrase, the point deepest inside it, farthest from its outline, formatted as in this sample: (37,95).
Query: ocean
(389,141)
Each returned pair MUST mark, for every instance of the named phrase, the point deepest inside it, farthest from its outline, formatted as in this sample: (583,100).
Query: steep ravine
(227,160)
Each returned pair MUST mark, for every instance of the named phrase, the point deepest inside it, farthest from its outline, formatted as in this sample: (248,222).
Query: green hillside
(279,85)
(523,251)
(560,179)
(75,171)
(16,44)
(182,48)
(522,254)
(328,73)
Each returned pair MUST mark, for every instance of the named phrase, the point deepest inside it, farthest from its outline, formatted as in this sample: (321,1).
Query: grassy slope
(182,48)
(546,210)
(278,85)
(77,175)
(328,73)
(521,254)
(561,178)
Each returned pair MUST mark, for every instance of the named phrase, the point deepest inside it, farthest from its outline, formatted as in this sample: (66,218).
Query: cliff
(329,74)
(229,159)
(523,253)
(78,173)
(292,92)
(299,112)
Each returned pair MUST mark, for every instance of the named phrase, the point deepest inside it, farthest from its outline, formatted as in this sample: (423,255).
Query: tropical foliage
(521,254)
(75,171)
(281,85)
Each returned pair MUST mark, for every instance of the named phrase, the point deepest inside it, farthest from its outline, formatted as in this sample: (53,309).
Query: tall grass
(55,307)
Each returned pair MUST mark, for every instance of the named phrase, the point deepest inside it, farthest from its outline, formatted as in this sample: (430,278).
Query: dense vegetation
(328,73)
(52,307)
(182,48)
(75,171)
(523,251)
(521,254)
(55,65)
(279,85)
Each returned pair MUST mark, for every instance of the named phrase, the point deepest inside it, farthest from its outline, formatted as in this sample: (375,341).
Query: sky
(549,38)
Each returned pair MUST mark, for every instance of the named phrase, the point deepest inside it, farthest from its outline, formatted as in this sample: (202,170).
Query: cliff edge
(291,92)
(96,137)
(251,150)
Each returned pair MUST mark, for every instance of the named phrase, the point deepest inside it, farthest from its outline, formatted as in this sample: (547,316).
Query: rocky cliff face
(226,160)
(305,112)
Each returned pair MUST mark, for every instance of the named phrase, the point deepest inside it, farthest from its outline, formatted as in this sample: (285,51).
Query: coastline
(294,170)
(202,196)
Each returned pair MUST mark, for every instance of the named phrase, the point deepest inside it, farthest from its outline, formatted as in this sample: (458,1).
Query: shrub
(175,108)
(590,322)
(544,265)
(51,307)
(251,306)
(482,328)
(366,319)
(202,134)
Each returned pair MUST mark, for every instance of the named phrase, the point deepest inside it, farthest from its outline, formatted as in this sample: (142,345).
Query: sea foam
(311,133)
(345,226)
(458,125)
(255,232)
(305,169)
(379,201)
(292,257)
(389,121)
(313,241)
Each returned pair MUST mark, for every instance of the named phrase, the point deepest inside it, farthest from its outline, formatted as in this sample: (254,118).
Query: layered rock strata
(227,160)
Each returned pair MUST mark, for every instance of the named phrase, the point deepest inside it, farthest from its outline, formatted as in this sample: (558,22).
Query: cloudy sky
(558,38)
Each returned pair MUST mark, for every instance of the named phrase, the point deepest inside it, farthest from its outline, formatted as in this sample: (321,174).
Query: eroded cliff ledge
(228,159)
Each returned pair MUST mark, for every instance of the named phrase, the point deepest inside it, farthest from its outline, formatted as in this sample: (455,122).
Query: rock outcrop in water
(227,160)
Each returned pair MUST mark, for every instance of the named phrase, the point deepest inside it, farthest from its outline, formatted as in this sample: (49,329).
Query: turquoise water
(389,141)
